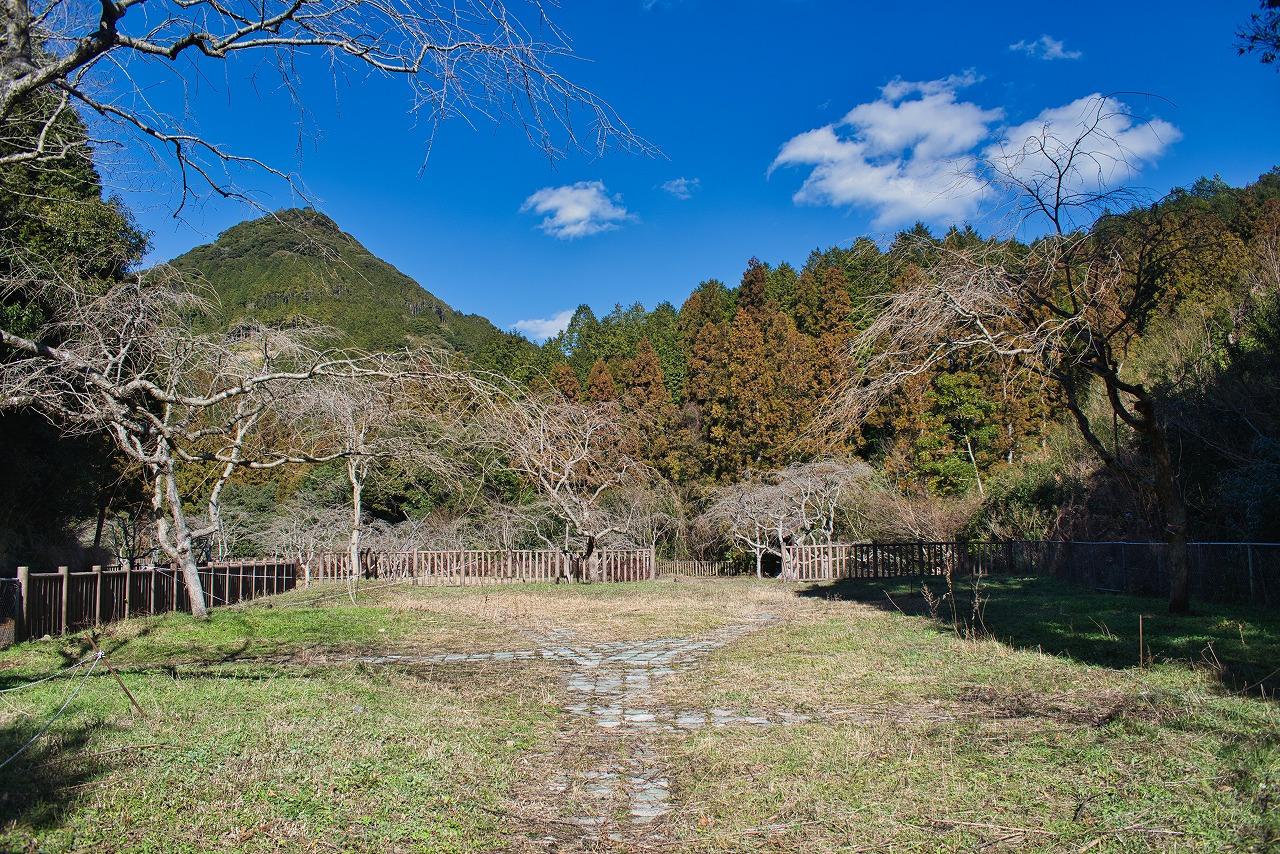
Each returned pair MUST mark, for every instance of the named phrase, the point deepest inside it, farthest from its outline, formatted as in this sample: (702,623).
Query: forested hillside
(297,266)
(733,379)
(739,378)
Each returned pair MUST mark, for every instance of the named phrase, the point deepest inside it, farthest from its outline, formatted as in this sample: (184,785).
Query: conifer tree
(710,302)
(564,380)
(663,332)
(808,303)
(741,418)
(753,292)
(646,386)
(600,384)
(657,434)
(705,392)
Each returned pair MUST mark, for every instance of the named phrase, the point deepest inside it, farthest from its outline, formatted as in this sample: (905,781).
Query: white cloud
(540,329)
(1046,47)
(918,151)
(682,188)
(908,155)
(577,210)
(1119,147)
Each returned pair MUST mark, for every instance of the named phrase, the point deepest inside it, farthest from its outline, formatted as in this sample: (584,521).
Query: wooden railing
(480,566)
(55,603)
(1220,571)
(701,568)
(818,562)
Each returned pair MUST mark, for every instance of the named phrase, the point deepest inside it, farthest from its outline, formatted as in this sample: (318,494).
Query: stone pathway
(611,685)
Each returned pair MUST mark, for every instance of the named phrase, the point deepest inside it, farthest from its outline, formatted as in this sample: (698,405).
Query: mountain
(297,265)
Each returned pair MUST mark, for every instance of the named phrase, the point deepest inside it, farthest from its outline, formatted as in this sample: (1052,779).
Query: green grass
(1240,644)
(281,629)
(257,755)
(1043,734)
(921,739)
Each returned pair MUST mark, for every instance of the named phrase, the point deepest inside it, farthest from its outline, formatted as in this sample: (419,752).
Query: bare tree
(403,413)
(130,366)
(646,513)
(303,529)
(805,501)
(437,531)
(821,492)
(750,513)
(1061,313)
(509,525)
(574,456)
(474,58)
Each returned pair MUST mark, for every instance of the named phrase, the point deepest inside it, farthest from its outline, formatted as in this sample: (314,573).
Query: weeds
(973,625)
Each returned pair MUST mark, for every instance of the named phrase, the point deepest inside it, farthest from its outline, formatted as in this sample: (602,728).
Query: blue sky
(794,124)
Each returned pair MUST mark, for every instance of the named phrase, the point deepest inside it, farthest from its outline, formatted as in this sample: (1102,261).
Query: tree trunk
(759,564)
(15,44)
(195,590)
(357,510)
(184,548)
(103,501)
(1174,510)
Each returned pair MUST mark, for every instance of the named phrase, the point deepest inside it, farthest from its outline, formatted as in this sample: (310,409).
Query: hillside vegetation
(738,378)
(298,266)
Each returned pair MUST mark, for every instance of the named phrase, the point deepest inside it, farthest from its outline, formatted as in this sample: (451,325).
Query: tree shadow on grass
(44,783)
(1240,645)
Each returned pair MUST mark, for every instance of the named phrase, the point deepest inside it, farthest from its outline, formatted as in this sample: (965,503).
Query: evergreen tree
(753,292)
(663,332)
(646,388)
(578,341)
(710,302)
(780,289)
(600,385)
(54,211)
(565,381)
(740,418)
(661,440)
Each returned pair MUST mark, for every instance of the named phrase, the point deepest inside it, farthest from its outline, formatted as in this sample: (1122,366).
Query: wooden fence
(54,603)
(819,562)
(1220,572)
(479,566)
(701,568)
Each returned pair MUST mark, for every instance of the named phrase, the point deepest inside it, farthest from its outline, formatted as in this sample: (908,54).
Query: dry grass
(600,612)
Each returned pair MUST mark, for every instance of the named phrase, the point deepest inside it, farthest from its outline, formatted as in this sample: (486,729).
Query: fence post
(65,574)
(1253,593)
(24,609)
(97,599)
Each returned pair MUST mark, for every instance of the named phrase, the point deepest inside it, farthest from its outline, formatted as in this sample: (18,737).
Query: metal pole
(66,590)
(24,607)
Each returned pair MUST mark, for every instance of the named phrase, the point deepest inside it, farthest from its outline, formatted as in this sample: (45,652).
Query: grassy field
(252,742)
(921,738)
(263,733)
